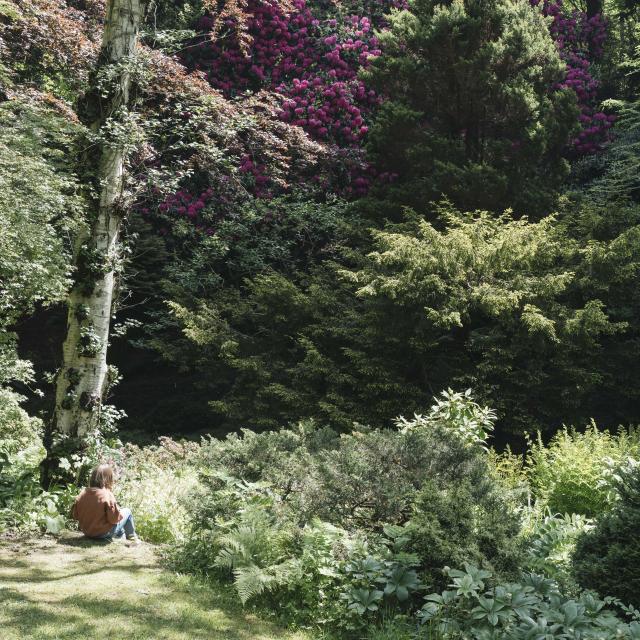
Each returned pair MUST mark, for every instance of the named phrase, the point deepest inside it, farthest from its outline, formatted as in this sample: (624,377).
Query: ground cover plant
(532,608)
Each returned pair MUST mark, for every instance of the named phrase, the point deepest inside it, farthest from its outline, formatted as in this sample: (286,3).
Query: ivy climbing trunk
(83,378)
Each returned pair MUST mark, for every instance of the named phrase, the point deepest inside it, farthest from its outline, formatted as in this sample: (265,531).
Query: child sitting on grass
(97,512)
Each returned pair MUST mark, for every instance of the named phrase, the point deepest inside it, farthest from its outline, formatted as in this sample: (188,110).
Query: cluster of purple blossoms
(186,206)
(312,59)
(312,62)
(580,39)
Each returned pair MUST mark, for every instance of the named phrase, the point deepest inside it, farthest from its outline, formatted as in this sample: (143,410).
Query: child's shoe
(133,541)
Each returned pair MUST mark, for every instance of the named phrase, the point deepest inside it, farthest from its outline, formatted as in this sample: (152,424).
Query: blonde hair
(102,477)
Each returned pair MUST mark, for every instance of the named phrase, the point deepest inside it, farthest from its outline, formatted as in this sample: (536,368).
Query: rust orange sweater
(96,511)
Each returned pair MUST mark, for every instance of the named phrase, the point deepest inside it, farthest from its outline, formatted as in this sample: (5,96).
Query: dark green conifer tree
(473,112)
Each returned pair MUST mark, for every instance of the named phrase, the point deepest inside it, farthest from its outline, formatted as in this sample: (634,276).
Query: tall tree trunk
(83,377)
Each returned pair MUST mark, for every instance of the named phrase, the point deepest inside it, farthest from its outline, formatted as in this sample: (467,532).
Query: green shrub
(345,530)
(154,483)
(18,430)
(316,574)
(18,488)
(607,558)
(41,211)
(551,543)
(464,521)
(532,608)
(510,468)
(458,413)
(24,506)
(570,475)
(370,477)
(155,498)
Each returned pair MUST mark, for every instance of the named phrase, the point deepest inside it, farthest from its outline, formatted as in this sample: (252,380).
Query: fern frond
(238,547)
(227,559)
(251,581)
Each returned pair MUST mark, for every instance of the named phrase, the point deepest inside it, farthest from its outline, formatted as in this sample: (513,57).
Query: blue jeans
(124,527)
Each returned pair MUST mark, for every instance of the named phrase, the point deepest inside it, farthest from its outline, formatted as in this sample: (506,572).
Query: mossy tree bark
(83,377)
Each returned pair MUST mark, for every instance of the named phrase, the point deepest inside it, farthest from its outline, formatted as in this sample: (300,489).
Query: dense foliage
(575,472)
(532,608)
(539,317)
(330,213)
(607,557)
(352,533)
(262,320)
(472,114)
(269,329)
(39,210)
(338,529)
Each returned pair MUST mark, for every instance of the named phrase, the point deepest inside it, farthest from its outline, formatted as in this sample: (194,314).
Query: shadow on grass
(20,571)
(183,619)
(79,617)
(134,603)
(85,543)
(35,575)
(27,618)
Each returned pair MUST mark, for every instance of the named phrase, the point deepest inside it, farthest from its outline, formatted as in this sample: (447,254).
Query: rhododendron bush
(580,40)
(309,57)
(312,55)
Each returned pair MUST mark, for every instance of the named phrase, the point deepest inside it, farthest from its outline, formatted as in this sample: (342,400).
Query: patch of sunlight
(73,589)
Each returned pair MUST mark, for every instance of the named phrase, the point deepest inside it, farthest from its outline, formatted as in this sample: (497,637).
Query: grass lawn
(71,588)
